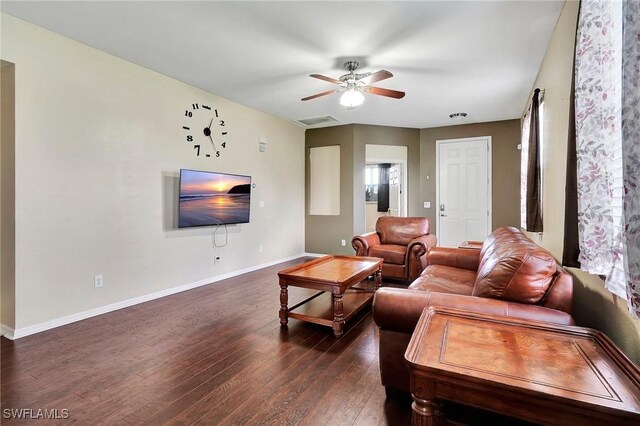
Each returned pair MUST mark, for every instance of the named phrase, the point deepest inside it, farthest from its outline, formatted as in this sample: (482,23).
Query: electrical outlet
(98,281)
(427,204)
(260,248)
(344,243)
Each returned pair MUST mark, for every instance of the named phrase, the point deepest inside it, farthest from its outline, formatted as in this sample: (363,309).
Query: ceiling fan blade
(317,95)
(376,76)
(384,92)
(325,78)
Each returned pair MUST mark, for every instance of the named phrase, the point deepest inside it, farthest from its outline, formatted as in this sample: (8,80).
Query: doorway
(463,190)
(389,161)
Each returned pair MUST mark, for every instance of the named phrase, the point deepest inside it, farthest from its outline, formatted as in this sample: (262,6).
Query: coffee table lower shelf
(318,309)
(345,281)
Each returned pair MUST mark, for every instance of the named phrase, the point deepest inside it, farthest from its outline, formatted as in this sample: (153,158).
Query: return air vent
(315,121)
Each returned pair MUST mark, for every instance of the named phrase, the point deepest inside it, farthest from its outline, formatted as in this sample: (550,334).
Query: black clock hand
(213,143)
(207,133)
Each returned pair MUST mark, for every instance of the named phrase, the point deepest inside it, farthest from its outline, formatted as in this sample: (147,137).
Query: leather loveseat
(510,276)
(402,242)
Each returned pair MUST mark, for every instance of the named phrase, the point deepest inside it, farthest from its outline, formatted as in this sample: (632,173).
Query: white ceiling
(479,57)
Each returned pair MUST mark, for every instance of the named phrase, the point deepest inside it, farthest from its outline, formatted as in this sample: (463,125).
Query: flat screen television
(210,198)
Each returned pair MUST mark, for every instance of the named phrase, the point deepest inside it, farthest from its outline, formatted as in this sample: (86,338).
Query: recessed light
(458,115)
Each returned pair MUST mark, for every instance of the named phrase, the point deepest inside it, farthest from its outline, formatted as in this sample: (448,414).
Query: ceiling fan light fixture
(352,98)
(353,84)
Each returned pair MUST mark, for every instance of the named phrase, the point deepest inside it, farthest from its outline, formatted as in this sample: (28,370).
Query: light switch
(261,203)
(427,204)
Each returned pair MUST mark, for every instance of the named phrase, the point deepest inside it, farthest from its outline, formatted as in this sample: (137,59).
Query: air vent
(315,121)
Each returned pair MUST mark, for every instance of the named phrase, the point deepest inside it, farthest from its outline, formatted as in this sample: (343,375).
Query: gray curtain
(534,196)
(383,187)
(571,249)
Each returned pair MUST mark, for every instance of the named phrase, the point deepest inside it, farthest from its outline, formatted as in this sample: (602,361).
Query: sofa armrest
(362,243)
(419,246)
(422,244)
(416,257)
(398,309)
(455,257)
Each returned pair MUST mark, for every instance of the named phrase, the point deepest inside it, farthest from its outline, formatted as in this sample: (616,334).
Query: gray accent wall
(324,233)
(505,161)
(382,135)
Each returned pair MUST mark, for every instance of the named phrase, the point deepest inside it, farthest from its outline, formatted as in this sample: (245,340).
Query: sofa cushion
(445,279)
(401,230)
(391,253)
(513,268)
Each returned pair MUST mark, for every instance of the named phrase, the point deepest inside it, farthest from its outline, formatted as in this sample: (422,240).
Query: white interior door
(464,190)
(395,190)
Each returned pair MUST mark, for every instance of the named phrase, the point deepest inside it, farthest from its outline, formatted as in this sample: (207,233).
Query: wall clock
(205,129)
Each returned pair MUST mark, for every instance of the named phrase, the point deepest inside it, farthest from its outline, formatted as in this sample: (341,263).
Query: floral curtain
(631,147)
(607,153)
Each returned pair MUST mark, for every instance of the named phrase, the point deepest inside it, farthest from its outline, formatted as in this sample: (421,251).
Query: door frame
(403,185)
(440,142)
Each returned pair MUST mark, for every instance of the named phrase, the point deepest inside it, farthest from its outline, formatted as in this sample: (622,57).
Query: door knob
(443,215)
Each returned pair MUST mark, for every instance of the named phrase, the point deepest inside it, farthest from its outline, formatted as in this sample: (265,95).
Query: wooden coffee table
(333,276)
(549,374)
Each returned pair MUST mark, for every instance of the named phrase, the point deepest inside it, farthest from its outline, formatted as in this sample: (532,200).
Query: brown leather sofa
(402,242)
(510,276)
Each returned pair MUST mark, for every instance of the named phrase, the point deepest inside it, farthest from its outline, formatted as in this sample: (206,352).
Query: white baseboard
(13,334)
(7,331)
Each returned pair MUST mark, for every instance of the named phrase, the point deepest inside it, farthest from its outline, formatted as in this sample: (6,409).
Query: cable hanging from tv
(214,236)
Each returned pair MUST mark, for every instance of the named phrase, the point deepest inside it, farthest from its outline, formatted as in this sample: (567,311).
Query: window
(607,93)
(371,182)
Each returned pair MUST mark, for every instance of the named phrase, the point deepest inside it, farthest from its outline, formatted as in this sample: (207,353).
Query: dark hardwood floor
(212,355)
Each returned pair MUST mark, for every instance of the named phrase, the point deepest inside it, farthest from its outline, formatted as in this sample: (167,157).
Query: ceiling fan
(353,85)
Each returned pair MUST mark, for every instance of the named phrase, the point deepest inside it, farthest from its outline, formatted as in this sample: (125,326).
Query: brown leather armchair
(510,276)
(402,242)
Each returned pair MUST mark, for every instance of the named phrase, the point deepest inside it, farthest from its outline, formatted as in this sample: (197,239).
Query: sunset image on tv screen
(208,198)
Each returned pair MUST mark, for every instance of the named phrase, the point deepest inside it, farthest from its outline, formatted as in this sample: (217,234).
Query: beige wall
(7,194)
(554,78)
(593,305)
(505,160)
(324,233)
(99,146)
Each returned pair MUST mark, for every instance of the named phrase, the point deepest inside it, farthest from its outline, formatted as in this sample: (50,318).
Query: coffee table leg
(425,410)
(284,299)
(378,278)
(338,317)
